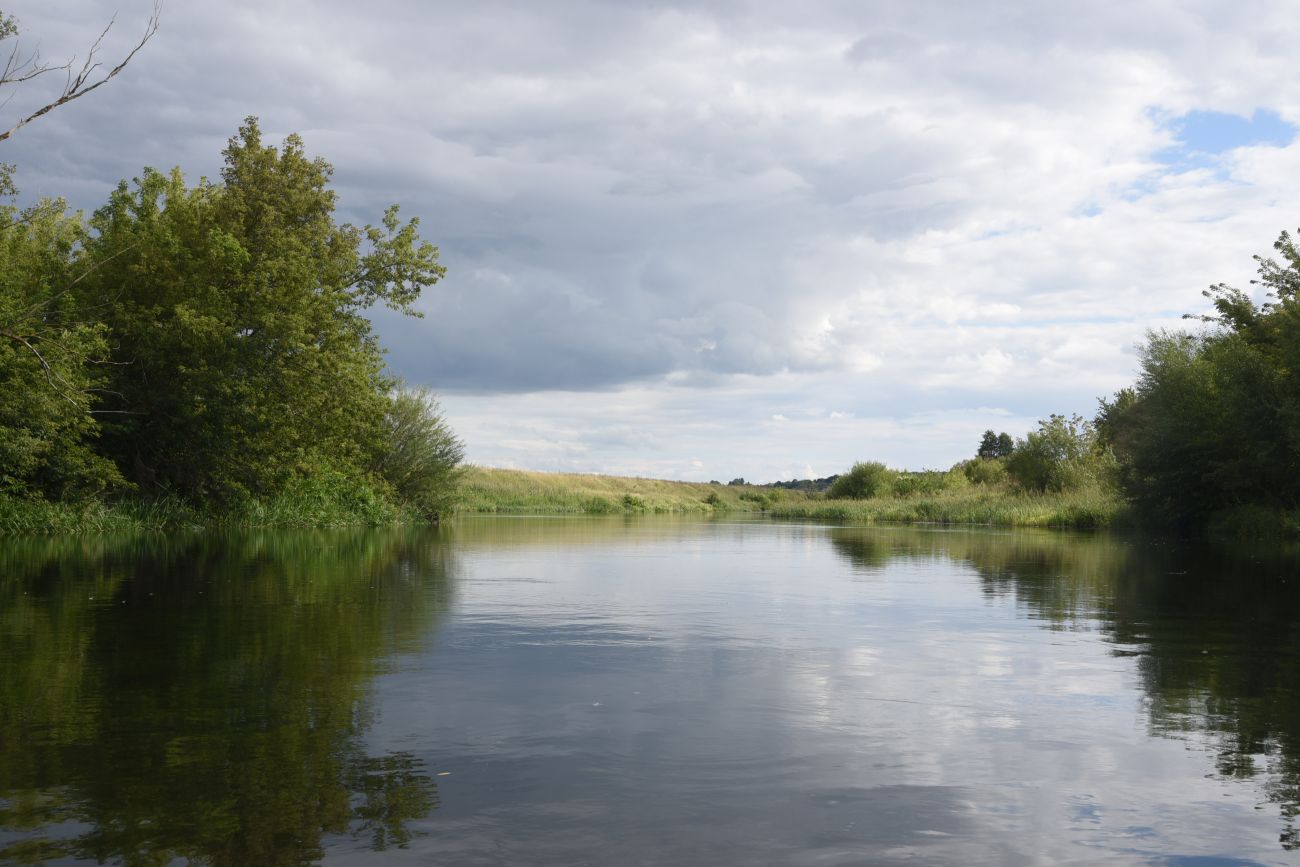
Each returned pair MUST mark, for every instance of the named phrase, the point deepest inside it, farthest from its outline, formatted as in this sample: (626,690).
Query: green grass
(304,508)
(1001,506)
(330,501)
(521,492)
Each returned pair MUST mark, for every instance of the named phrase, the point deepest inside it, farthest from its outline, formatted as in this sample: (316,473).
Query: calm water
(647,691)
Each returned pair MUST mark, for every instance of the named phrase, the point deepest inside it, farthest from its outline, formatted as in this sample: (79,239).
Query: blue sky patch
(1204,135)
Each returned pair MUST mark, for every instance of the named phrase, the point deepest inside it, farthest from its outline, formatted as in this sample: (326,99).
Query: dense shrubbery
(210,342)
(1213,423)
(984,471)
(864,480)
(421,458)
(1062,455)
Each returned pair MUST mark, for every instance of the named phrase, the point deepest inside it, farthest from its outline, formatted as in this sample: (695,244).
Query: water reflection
(204,697)
(1215,629)
(647,691)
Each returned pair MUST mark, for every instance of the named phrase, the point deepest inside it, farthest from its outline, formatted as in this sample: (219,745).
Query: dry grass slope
(522,492)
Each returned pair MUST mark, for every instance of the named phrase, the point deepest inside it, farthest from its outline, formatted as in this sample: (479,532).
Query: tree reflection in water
(205,697)
(1215,629)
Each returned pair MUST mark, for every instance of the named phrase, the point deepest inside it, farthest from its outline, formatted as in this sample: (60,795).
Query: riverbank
(487,490)
(519,492)
(321,503)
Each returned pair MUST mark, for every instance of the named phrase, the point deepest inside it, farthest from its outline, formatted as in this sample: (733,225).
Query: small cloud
(837,414)
(779,417)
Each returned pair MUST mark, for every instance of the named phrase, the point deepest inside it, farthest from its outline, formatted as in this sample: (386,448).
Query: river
(648,691)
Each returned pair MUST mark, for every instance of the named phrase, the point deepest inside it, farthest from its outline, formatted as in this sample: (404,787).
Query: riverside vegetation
(1208,439)
(199,354)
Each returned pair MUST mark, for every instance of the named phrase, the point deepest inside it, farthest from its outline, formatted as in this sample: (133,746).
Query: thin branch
(50,375)
(80,84)
(45,302)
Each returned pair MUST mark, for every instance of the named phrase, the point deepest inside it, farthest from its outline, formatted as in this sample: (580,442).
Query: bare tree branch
(80,82)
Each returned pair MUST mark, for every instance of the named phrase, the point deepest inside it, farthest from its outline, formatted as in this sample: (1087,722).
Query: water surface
(647,691)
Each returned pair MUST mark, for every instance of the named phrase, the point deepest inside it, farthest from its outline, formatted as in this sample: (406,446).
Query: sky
(722,239)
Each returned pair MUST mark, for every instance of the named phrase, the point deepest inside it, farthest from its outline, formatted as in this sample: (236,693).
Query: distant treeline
(806,484)
(209,344)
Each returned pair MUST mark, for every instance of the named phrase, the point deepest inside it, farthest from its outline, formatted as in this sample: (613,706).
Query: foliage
(421,453)
(821,484)
(981,471)
(1063,454)
(50,361)
(1089,507)
(1213,422)
(995,445)
(238,312)
(864,480)
(926,482)
(211,342)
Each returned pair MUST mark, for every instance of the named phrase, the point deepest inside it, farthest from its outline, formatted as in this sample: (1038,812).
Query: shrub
(1061,455)
(982,471)
(924,482)
(421,453)
(865,480)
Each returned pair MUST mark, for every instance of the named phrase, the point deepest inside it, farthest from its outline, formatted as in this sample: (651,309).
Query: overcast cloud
(739,238)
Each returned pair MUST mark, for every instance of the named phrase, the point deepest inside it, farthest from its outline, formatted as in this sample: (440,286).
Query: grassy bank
(482,490)
(519,492)
(1087,509)
(522,492)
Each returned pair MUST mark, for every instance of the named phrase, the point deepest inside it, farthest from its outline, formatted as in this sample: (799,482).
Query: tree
(48,355)
(237,314)
(1060,455)
(1213,422)
(995,445)
(50,349)
(21,68)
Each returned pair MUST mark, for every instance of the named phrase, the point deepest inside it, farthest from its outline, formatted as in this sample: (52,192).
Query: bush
(421,453)
(864,481)
(925,482)
(984,471)
(1061,455)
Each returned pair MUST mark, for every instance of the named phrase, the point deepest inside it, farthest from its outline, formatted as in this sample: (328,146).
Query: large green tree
(51,354)
(1214,419)
(243,357)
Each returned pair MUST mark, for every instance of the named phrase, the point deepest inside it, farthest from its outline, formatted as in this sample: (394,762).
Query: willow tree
(236,310)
